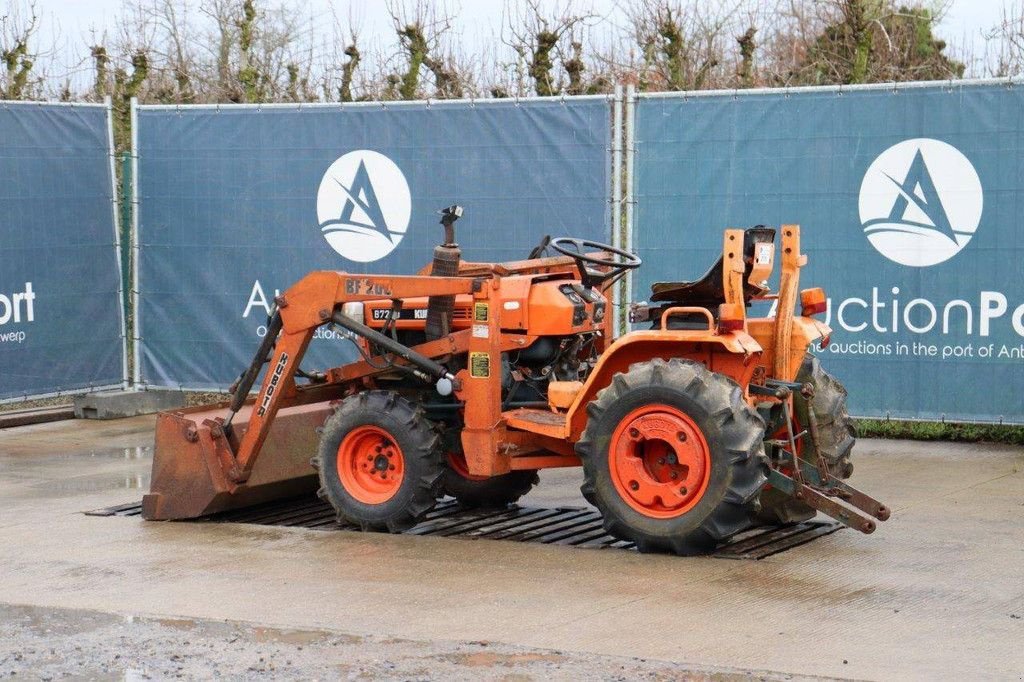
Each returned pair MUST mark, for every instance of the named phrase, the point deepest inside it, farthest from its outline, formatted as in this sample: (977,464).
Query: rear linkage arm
(815,485)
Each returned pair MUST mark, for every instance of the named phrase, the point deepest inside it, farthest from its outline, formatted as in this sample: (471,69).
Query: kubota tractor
(474,376)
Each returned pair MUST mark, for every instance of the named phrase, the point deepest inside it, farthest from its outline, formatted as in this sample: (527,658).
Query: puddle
(300,637)
(129,454)
(487,659)
(96,483)
(126,468)
(56,622)
(137,452)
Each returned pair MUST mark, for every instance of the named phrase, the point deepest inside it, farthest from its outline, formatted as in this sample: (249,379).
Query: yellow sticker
(479,365)
(479,312)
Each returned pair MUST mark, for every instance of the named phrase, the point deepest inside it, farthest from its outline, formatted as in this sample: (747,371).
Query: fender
(804,332)
(735,354)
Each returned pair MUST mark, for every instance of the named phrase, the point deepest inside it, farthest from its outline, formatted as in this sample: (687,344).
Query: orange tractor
(474,376)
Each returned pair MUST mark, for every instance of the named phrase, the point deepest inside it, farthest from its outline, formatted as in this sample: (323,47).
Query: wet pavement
(937,591)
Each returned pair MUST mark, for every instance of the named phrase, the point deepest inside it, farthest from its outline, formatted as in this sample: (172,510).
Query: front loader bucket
(188,479)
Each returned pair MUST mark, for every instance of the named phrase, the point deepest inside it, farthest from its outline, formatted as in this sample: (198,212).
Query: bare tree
(271,50)
(1007,58)
(861,41)
(339,59)
(682,46)
(548,45)
(424,32)
(18,28)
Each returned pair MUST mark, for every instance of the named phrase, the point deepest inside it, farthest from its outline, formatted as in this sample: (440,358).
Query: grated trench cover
(568,526)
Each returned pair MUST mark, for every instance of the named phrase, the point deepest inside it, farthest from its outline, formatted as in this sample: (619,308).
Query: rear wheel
(673,457)
(379,462)
(836,438)
(484,491)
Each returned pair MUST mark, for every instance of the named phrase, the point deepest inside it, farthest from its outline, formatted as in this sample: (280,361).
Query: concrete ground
(936,592)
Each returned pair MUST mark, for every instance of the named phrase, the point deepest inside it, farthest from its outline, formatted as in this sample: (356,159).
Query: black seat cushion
(708,291)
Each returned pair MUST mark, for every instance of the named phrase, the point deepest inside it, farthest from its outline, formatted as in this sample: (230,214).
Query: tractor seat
(709,291)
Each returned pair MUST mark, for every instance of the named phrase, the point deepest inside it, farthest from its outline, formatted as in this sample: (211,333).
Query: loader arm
(312,302)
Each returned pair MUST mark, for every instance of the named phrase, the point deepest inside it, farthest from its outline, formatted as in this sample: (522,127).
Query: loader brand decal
(366,287)
(363,206)
(479,365)
(275,380)
(920,202)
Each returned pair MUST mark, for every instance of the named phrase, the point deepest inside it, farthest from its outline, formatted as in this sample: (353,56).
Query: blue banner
(237,203)
(909,200)
(60,306)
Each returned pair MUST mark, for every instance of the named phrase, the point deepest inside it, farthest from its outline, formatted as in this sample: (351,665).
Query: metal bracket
(819,494)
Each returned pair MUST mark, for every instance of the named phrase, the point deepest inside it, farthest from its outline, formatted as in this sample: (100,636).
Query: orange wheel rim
(457,462)
(659,461)
(370,464)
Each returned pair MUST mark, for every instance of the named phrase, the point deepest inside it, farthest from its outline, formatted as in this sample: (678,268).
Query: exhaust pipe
(446,264)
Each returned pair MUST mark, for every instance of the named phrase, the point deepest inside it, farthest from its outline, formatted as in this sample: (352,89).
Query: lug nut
(633,433)
(681,436)
(633,485)
(661,460)
(682,491)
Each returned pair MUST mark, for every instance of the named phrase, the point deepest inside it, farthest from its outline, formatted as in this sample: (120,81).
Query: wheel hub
(659,460)
(370,464)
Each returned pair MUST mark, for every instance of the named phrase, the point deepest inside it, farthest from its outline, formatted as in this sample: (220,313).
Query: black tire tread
(836,434)
(742,431)
(836,431)
(422,490)
(497,491)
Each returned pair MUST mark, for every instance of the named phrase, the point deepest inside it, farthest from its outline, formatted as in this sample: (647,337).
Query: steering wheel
(617,266)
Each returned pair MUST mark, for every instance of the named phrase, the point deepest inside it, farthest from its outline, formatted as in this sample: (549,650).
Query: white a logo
(920,202)
(363,206)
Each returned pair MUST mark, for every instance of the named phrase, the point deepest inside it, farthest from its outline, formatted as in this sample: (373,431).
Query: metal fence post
(619,292)
(630,199)
(126,229)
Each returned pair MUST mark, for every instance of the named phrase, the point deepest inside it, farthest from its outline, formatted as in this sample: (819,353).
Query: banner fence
(238,202)
(909,198)
(61,321)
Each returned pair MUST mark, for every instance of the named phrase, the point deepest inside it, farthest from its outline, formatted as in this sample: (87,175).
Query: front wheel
(673,457)
(379,462)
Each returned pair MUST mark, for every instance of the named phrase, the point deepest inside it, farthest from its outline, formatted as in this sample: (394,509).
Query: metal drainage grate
(572,526)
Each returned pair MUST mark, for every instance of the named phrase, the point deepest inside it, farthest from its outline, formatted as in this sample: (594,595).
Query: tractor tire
(379,461)
(667,424)
(485,491)
(836,436)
